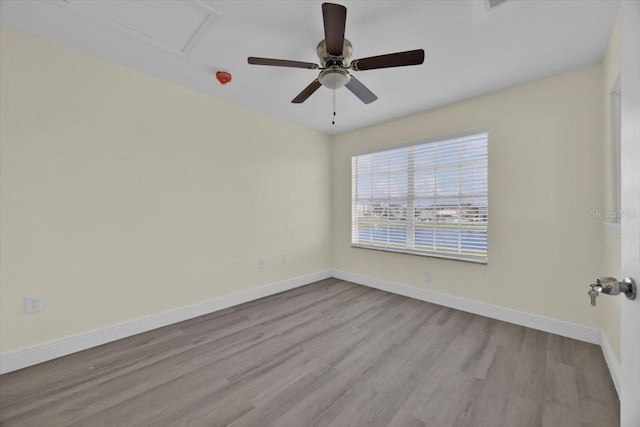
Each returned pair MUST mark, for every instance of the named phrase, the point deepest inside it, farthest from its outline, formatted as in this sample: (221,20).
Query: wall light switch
(427,277)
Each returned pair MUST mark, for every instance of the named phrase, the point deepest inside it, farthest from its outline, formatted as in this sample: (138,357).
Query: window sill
(424,254)
(614,227)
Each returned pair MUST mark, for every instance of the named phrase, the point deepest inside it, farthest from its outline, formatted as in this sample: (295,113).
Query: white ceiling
(470,50)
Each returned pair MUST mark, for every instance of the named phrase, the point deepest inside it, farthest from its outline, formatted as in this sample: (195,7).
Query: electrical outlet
(32,304)
(284,259)
(263,263)
(427,276)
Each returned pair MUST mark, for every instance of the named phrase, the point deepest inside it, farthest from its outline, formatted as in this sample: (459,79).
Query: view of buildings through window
(428,198)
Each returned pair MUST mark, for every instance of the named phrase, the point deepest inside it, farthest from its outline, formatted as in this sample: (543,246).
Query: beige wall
(544,178)
(611,242)
(124,196)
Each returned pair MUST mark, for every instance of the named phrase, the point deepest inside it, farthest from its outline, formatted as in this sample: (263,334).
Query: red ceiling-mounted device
(223,77)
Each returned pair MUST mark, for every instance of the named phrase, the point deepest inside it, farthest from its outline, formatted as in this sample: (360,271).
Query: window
(425,199)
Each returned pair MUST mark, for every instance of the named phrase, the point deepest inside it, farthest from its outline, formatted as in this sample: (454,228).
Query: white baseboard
(33,355)
(612,361)
(542,323)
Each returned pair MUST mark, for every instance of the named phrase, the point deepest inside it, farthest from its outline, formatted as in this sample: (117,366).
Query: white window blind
(426,199)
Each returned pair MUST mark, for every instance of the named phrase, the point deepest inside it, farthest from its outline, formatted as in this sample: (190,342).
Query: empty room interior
(297,213)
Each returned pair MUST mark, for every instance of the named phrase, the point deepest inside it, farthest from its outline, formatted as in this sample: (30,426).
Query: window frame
(411,224)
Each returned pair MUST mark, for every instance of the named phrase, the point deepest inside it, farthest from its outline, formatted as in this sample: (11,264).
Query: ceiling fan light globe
(334,78)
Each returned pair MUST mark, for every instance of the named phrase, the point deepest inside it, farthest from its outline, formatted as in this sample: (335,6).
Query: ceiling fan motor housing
(328,60)
(335,74)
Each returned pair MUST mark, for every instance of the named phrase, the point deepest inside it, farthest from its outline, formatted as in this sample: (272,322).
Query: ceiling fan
(334,53)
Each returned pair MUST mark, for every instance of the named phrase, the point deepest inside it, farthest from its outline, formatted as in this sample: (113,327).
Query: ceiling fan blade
(399,59)
(335,20)
(361,91)
(281,63)
(307,92)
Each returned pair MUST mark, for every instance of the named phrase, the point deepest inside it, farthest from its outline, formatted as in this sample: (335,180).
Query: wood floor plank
(431,401)
(561,404)
(394,380)
(481,357)
(403,419)
(331,353)
(338,402)
(523,412)
(275,400)
(559,349)
(489,405)
(530,374)
(596,394)
(439,409)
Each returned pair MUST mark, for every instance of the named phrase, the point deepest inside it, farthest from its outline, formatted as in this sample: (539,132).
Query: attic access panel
(170,24)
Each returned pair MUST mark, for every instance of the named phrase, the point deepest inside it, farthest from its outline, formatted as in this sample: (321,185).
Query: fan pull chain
(333,120)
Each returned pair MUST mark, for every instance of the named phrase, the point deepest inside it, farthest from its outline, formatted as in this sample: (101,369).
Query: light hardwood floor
(327,354)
